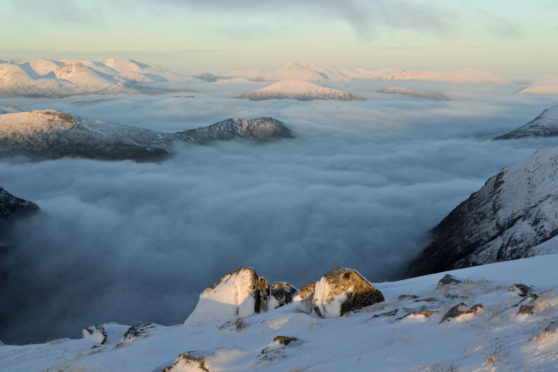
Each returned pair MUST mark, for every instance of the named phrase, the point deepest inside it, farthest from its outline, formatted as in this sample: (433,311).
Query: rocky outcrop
(544,125)
(103,334)
(264,128)
(52,134)
(515,211)
(12,208)
(238,294)
(281,293)
(188,361)
(337,292)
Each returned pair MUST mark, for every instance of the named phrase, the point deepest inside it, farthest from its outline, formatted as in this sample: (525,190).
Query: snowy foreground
(499,317)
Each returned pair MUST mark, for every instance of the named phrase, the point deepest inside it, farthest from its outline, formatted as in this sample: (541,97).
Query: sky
(513,38)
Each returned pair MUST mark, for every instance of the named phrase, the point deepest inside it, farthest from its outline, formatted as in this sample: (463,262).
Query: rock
(12,206)
(387,313)
(525,310)
(103,334)
(305,296)
(282,293)
(139,330)
(263,128)
(238,294)
(512,214)
(404,297)
(447,280)
(284,340)
(460,310)
(419,314)
(342,290)
(521,290)
(188,362)
(274,350)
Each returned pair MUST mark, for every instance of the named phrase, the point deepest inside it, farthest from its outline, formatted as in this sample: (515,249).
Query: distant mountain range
(45,77)
(546,85)
(316,73)
(52,134)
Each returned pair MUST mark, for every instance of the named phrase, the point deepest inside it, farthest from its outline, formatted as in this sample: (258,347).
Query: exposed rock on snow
(300,90)
(139,330)
(305,297)
(238,294)
(506,219)
(460,312)
(281,293)
(102,334)
(339,291)
(448,279)
(260,128)
(544,125)
(52,134)
(188,362)
(413,93)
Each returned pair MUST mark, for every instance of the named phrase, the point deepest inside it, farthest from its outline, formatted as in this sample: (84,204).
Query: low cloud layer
(359,186)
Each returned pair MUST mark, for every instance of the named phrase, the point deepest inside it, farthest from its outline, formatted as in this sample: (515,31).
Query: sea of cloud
(360,186)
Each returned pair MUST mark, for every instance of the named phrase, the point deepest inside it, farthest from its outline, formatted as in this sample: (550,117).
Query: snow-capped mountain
(293,71)
(544,125)
(53,134)
(464,75)
(547,85)
(413,93)
(44,77)
(499,317)
(512,213)
(301,90)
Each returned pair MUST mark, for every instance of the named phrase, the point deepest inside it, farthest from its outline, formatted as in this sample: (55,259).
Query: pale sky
(514,38)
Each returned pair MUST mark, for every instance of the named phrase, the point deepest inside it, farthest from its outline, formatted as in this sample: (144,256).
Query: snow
(464,75)
(493,339)
(328,308)
(547,85)
(546,124)
(64,77)
(293,71)
(298,89)
(33,122)
(230,298)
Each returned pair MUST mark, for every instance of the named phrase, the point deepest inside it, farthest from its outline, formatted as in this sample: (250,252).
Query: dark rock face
(52,134)
(12,206)
(460,310)
(261,129)
(282,293)
(515,211)
(544,125)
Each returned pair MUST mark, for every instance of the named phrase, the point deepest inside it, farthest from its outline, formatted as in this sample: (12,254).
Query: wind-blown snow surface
(359,186)
(44,77)
(415,329)
(298,89)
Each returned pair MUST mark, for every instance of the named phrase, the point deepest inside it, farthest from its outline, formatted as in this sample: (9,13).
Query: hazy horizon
(508,38)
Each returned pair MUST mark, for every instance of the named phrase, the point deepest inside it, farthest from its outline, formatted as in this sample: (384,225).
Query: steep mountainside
(513,212)
(301,90)
(51,134)
(544,125)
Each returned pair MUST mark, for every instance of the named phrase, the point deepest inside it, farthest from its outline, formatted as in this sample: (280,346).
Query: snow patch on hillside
(301,90)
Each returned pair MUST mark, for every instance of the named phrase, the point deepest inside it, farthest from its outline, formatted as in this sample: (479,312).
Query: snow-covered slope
(546,85)
(44,77)
(544,125)
(50,133)
(511,214)
(499,317)
(298,89)
(413,93)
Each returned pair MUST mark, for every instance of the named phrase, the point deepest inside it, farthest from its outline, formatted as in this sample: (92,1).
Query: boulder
(103,334)
(238,294)
(188,362)
(337,292)
(281,293)
(305,297)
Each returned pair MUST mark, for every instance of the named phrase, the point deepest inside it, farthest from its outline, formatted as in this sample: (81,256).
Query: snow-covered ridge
(300,90)
(44,77)
(315,73)
(413,93)
(547,85)
(544,125)
(53,134)
(486,318)
(515,211)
